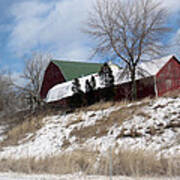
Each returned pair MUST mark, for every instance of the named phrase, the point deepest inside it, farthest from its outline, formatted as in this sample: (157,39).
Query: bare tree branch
(128,30)
(33,75)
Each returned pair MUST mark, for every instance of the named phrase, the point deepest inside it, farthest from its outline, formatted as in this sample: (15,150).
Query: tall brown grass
(126,162)
(18,132)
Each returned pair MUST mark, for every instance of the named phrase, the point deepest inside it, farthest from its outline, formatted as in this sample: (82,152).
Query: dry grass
(103,105)
(126,162)
(75,121)
(24,122)
(31,125)
(77,161)
(102,126)
(141,163)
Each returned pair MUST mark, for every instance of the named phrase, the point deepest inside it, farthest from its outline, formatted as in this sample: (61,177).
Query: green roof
(73,69)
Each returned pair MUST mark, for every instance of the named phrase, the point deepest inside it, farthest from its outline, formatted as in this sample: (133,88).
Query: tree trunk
(133,85)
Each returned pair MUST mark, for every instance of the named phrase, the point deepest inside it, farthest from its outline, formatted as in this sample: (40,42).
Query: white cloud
(171,5)
(55,26)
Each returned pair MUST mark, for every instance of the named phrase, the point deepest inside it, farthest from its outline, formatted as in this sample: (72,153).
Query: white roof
(154,66)
(145,69)
(64,90)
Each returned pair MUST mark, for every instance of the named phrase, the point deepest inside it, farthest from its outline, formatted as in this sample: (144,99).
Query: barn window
(168,84)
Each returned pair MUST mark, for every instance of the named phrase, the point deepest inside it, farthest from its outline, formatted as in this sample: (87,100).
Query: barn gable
(59,72)
(168,78)
(151,68)
(52,76)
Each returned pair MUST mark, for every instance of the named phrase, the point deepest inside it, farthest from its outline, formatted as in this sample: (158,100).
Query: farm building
(153,78)
(58,72)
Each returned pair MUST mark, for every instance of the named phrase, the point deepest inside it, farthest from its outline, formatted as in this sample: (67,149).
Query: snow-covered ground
(157,125)
(12,176)
(3,129)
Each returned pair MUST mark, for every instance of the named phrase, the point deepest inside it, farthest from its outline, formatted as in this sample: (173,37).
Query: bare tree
(4,88)
(8,95)
(127,30)
(33,76)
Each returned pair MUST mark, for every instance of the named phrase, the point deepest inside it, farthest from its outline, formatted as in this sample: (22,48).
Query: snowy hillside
(150,124)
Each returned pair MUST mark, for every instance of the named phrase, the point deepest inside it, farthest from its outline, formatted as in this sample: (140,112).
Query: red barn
(153,78)
(61,71)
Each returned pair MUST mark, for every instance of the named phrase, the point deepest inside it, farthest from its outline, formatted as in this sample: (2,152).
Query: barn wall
(52,77)
(145,88)
(168,78)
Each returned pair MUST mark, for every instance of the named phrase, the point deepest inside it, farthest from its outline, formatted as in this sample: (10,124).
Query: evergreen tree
(88,86)
(76,88)
(77,99)
(90,90)
(106,76)
(89,93)
(93,82)
(107,80)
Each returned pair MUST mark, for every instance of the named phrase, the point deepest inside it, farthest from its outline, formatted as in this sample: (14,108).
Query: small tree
(76,87)
(78,97)
(90,87)
(107,80)
(93,82)
(106,76)
(33,76)
(9,96)
(5,90)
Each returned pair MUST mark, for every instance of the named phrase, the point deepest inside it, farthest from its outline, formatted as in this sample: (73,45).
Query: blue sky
(54,27)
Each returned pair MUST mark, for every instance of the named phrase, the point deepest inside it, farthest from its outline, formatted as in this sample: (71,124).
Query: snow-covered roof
(145,69)
(64,90)
(154,66)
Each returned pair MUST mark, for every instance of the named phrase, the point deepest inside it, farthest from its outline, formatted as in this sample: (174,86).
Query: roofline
(172,57)
(176,59)
(75,61)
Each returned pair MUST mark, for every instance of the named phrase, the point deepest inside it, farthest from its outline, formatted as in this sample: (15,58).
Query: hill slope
(147,125)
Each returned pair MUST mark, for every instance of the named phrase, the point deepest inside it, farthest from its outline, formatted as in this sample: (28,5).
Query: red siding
(145,88)
(168,78)
(52,77)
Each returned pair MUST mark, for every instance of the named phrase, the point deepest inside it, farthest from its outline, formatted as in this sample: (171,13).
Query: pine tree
(107,80)
(76,88)
(90,90)
(88,86)
(93,82)
(89,93)
(77,98)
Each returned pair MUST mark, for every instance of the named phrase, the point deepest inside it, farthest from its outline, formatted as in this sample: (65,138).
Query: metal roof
(73,69)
